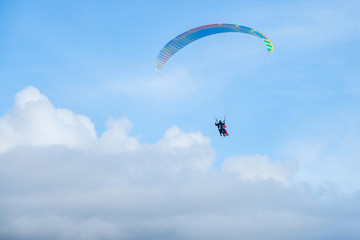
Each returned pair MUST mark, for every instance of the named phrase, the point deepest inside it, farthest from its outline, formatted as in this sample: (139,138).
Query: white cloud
(115,187)
(34,121)
(260,167)
(57,193)
(64,228)
(116,139)
(331,159)
(187,149)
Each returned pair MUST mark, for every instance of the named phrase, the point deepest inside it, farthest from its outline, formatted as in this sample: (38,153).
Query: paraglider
(221,127)
(194,34)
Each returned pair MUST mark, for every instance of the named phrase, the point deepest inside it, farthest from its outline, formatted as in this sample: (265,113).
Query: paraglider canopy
(196,33)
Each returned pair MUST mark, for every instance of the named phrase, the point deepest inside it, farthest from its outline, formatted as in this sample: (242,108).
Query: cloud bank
(58,180)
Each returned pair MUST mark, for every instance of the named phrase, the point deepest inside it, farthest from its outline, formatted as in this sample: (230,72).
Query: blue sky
(76,52)
(79,76)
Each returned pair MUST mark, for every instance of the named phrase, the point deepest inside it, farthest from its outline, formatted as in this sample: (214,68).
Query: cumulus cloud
(197,148)
(34,121)
(260,167)
(331,158)
(115,187)
(116,138)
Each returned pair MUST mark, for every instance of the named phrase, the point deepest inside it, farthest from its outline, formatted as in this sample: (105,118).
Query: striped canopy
(196,33)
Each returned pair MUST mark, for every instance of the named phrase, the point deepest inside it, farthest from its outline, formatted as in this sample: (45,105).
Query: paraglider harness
(221,127)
